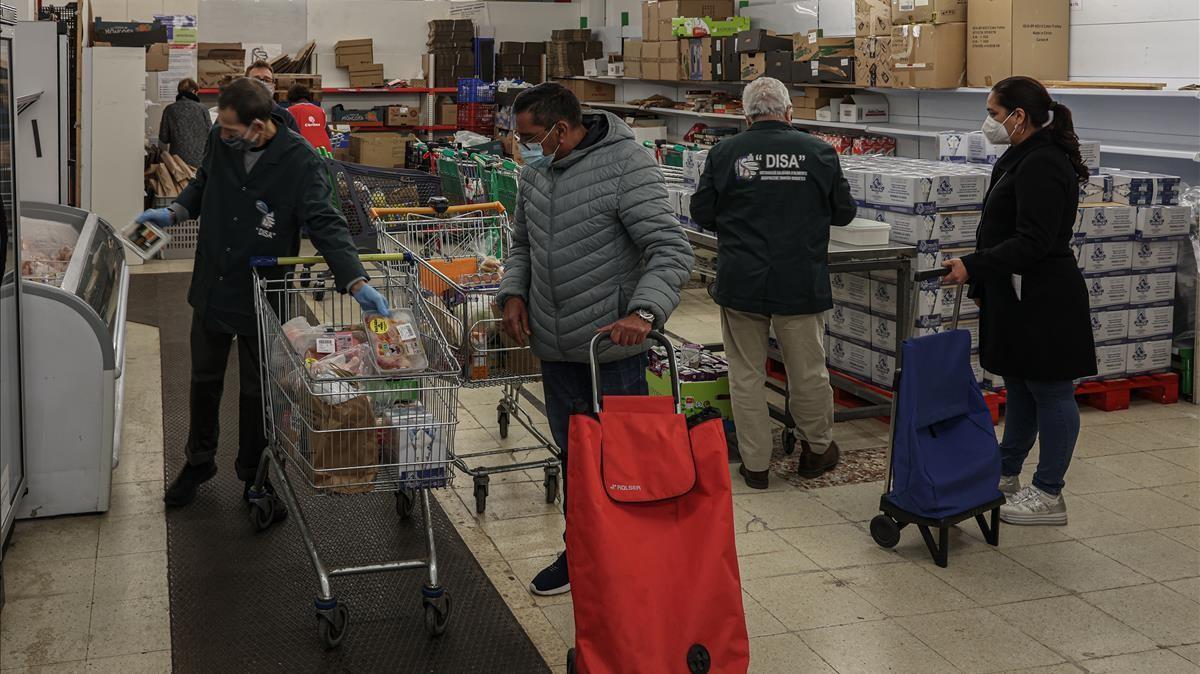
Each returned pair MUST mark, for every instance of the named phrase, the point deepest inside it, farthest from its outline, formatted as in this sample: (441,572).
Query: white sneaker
(1010,484)
(1031,505)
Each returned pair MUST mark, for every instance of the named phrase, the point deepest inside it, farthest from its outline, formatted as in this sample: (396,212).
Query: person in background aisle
(310,117)
(261,71)
(258,184)
(185,124)
(771,194)
(596,249)
(1034,325)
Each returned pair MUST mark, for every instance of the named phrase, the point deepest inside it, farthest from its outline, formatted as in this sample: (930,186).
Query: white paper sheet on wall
(261,52)
(180,66)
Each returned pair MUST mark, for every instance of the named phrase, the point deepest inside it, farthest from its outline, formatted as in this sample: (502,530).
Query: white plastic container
(861,232)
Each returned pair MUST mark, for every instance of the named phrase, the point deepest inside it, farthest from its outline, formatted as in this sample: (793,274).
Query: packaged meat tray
(395,342)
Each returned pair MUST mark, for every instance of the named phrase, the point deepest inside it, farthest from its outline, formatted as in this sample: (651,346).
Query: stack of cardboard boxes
(685,40)
(758,48)
(382,149)
(1016,37)
(873,43)
(358,57)
(452,44)
(821,58)
(520,61)
(568,49)
(218,62)
(929,44)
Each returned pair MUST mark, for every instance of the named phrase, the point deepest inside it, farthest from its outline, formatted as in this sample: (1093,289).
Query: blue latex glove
(157,216)
(370,300)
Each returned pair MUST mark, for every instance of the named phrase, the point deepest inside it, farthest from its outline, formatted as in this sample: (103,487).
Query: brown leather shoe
(812,465)
(755,479)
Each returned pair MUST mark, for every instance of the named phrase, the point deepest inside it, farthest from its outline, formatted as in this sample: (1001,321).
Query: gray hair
(766,96)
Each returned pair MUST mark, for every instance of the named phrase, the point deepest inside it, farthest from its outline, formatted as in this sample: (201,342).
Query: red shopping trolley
(650,541)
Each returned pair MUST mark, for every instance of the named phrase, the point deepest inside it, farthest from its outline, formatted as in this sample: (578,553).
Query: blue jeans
(568,389)
(1046,410)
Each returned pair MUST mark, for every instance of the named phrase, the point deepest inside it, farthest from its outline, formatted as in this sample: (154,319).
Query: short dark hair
(188,84)
(248,99)
(299,92)
(549,103)
(259,64)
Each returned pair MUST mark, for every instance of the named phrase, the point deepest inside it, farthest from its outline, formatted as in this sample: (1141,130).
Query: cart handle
(653,335)
(927,274)
(267,261)
(428,210)
(942,272)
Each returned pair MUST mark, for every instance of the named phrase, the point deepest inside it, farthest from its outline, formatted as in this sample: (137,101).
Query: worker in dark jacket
(258,185)
(1034,325)
(771,194)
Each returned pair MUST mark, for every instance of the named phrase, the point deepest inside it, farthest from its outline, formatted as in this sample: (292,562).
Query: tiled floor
(1116,590)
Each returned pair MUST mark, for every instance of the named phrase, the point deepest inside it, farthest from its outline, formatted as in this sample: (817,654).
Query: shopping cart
(500,180)
(342,426)
(459,251)
(360,188)
(461,177)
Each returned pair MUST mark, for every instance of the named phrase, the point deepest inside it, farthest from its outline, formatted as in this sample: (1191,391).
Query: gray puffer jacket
(594,240)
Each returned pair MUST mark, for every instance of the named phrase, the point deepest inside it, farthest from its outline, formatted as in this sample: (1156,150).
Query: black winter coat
(1028,218)
(771,193)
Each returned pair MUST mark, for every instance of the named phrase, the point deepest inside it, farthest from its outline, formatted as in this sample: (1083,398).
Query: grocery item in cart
(412,440)
(345,453)
(300,334)
(395,342)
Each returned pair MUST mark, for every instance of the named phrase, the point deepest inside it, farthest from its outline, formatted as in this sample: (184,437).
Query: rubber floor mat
(243,601)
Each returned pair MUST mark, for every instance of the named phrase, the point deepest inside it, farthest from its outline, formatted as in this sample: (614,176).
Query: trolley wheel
(551,482)
(332,624)
(481,493)
(789,441)
(570,661)
(885,531)
(262,512)
(437,614)
(405,502)
(502,419)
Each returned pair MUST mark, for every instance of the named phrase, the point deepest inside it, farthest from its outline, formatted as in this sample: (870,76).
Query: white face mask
(995,131)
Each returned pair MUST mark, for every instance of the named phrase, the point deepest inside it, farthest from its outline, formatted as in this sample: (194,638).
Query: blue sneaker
(553,579)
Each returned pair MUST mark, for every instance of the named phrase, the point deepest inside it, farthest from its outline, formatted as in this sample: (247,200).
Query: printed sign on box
(1107,290)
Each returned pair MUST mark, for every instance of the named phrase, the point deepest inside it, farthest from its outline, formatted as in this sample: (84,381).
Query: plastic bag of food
(352,362)
(301,334)
(395,342)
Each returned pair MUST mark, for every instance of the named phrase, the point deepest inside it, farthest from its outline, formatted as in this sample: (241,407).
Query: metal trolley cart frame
(458,250)
(344,433)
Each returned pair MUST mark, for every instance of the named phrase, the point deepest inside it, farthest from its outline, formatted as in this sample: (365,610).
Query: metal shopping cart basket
(360,188)
(340,425)
(458,251)
(500,180)
(461,177)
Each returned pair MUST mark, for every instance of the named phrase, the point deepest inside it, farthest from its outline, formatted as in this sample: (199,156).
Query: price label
(378,325)
(325,345)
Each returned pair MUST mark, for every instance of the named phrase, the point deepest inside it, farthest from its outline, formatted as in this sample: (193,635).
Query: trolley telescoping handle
(942,272)
(267,261)
(491,206)
(653,335)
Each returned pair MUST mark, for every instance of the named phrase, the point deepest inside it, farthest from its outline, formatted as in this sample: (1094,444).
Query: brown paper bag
(334,447)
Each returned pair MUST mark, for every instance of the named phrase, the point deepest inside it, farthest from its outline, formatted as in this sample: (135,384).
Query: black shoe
(553,579)
(183,490)
(755,479)
(812,465)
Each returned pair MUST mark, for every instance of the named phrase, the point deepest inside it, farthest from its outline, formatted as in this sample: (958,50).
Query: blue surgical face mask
(533,155)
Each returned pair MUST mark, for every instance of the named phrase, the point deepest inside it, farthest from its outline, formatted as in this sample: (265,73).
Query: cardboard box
(447,112)
(872,18)
(1105,222)
(954,146)
(980,150)
(1089,151)
(1110,325)
(650,21)
(403,115)
(1152,287)
(670,9)
(1108,290)
(780,65)
(615,69)
(864,108)
(726,63)
(382,149)
(704,26)
(753,66)
(1017,37)
(873,61)
(1110,361)
(353,52)
(696,58)
(928,56)
(1149,356)
(1144,189)
(670,66)
(853,289)
(1150,254)
(808,72)
(835,70)
(849,357)
(1097,189)
(1153,320)
(814,44)
(826,114)
(587,90)
(760,40)
(158,57)
(217,60)
(650,65)
(364,75)
(928,11)
(1103,256)
(811,98)
(845,321)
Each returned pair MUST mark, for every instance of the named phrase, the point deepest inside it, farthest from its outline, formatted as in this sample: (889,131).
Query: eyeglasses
(529,143)
(266,80)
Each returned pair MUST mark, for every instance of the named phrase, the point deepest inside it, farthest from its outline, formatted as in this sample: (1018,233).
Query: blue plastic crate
(474,90)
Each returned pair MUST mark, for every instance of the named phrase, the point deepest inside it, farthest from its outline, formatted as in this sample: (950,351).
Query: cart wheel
(570,661)
(437,614)
(405,501)
(502,420)
(331,624)
(551,482)
(319,282)
(262,512)
(885,531)
(789,441)
(481,493)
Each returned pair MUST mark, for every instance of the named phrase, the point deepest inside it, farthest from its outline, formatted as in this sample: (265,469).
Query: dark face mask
(239,143)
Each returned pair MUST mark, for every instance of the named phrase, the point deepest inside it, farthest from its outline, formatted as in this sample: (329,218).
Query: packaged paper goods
(953,146)
(929,56)
(1148,357)
(951,228)
(1152,320)
(1103,256)
(846,321)
(1163,222)
(883,330)
(872,18)
(1016,37)
(1110,361)
(853,289)
(1105,221)
(1098,189)
(1155,255)
(1152,287)
(915,185)
(1110,324)
(849,357)
(1135,188)
(928,11)
(873,61)
(980,150)
(1109,290)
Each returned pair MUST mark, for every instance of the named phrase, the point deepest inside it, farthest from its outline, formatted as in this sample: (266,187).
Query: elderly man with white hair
(771,194)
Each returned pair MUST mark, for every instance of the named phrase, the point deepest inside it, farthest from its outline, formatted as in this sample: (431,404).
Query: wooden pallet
(1115,394)
(1075,84)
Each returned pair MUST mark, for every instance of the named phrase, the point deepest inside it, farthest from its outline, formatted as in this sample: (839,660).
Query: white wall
(1136,40)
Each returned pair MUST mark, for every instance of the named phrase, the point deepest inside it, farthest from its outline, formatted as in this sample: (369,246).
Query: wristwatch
(645,316)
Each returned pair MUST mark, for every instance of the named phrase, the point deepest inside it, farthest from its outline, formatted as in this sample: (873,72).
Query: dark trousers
(568,389)
(210,356)
(1045,411)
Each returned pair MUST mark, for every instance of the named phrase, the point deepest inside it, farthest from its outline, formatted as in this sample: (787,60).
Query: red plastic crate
(477,117)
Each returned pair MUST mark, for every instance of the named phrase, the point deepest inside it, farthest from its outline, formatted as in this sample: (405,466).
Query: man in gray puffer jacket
(596,248)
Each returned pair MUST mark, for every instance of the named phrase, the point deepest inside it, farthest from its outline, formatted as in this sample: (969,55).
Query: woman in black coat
(1035,329)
